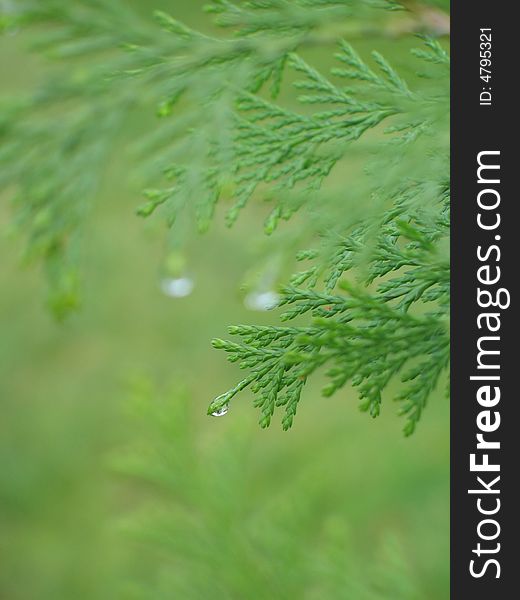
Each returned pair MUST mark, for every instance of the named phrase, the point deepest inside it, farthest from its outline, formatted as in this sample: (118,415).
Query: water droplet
(177,287)
(261,301)
(222,411)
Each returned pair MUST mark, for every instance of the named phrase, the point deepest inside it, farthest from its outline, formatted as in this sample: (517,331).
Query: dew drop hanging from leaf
(175,282)
(221,412)
(178,287)
(261,301)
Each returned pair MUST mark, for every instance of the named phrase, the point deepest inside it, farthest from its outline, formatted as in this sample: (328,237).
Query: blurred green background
(115,484)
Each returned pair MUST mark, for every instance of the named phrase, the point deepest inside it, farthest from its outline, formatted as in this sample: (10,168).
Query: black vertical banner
(485,427)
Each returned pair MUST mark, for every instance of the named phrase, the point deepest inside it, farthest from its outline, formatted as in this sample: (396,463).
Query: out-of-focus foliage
(293,541)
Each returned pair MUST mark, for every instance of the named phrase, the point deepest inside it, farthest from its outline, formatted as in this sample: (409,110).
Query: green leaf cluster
(371,306)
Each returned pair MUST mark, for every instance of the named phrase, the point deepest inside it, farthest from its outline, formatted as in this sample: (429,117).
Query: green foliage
(394,322)
(205,524)
(228,132)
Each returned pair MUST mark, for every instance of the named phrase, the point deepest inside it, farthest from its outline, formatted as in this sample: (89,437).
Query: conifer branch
(376,287)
